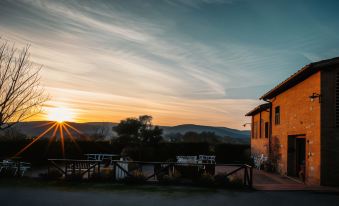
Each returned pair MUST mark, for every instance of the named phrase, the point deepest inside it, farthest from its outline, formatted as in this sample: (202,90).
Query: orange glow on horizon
(60,114)
(60,127)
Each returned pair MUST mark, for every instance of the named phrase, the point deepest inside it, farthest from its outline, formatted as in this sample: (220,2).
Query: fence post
(98,167)
(251,177)
(19,168)
(48,169)
(245,175)
(114,171)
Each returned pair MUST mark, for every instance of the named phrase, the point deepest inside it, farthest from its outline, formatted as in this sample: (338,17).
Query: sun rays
(59,128)
(60,114)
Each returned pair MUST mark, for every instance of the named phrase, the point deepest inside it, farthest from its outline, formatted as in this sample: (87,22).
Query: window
(266,129)
(262,129)
(277,115)
(255,130)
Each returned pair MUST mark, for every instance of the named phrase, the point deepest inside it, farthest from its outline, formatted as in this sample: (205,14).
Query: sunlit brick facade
(303,116)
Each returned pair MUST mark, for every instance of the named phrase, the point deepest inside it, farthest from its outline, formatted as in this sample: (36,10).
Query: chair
(20,168)
(206,159)
(259,160)
(187,159)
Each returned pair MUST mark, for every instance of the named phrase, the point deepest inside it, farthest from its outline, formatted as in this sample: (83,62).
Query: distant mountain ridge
(220,131)
(34,128)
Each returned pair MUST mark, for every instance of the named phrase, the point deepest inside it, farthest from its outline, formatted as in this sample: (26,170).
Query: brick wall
(259,145)
(299,116)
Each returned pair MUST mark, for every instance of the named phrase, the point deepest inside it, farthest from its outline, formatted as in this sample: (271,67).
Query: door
(300,157)
(296,156)
(291,160)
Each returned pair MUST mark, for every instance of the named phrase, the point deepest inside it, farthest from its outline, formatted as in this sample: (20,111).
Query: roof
(258,109)
(299,76)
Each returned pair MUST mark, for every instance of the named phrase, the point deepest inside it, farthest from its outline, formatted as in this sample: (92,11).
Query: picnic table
(75,167)
(194,166)
(14,168)
(101,156)
(105,159)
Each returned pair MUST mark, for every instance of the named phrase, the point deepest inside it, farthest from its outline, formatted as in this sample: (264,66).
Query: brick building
(298,126)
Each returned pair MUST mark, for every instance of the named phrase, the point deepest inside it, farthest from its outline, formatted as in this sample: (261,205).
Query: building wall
(330,126)
(299,116)
(259,144)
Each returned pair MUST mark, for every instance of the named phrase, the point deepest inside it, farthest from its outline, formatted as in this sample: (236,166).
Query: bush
(206,180)
(53,174)
(268,166)
(136,178)
(170,180)
(236,183)
(104,175)
(222,180)
(75,177)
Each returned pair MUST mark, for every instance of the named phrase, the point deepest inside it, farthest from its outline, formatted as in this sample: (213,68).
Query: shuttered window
(266,129)
(277,115)
(255,130)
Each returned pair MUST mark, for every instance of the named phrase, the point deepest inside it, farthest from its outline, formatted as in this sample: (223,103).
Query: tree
(100,132)
(21,95)
(138,130)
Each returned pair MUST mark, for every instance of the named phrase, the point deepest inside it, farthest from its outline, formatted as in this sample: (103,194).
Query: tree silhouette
(21,95)
(138,130)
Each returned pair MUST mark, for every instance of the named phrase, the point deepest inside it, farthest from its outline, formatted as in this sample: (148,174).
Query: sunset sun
(60,114)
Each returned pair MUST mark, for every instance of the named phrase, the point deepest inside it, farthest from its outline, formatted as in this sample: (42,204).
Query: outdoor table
(75,167)
(17,168)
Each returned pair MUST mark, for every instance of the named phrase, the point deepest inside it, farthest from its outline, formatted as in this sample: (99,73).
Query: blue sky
(194,61)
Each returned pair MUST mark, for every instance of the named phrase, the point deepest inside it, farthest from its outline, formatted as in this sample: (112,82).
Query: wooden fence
(122,169)
(170,168)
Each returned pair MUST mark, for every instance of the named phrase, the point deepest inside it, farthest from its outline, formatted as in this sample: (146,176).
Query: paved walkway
(268,181)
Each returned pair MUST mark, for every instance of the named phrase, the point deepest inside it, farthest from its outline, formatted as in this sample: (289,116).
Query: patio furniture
(206,159)
(74,167)
(105,159)
(187,159)
(14,168)
(192,167)
(259,160)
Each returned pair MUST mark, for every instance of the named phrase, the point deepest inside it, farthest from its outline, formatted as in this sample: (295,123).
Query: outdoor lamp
(244,125)
(314,96)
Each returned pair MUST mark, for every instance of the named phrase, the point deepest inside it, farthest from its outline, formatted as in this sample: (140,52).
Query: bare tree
(21,95)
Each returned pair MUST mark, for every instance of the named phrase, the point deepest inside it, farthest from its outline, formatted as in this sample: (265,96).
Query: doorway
(296,159)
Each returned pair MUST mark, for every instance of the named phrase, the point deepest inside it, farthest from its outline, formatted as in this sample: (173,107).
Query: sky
(182,61)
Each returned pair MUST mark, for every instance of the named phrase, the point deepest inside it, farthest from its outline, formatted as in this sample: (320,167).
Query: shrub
(75,177)
(236,183)
(268,166)
(206,179)
(136,178)
(170,179)
(53,174)
(222,180)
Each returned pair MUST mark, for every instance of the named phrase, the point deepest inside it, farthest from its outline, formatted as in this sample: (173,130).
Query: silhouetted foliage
(138,130)
(21,95)
(11,134)
(39,152)
(209,137)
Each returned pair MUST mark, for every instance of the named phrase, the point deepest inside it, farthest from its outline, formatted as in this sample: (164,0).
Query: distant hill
(220,131)
(34,128)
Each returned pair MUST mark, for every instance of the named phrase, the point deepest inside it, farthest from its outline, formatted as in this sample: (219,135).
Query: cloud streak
(181,61)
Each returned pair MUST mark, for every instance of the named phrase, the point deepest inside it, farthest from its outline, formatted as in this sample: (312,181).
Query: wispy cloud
(182,61)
